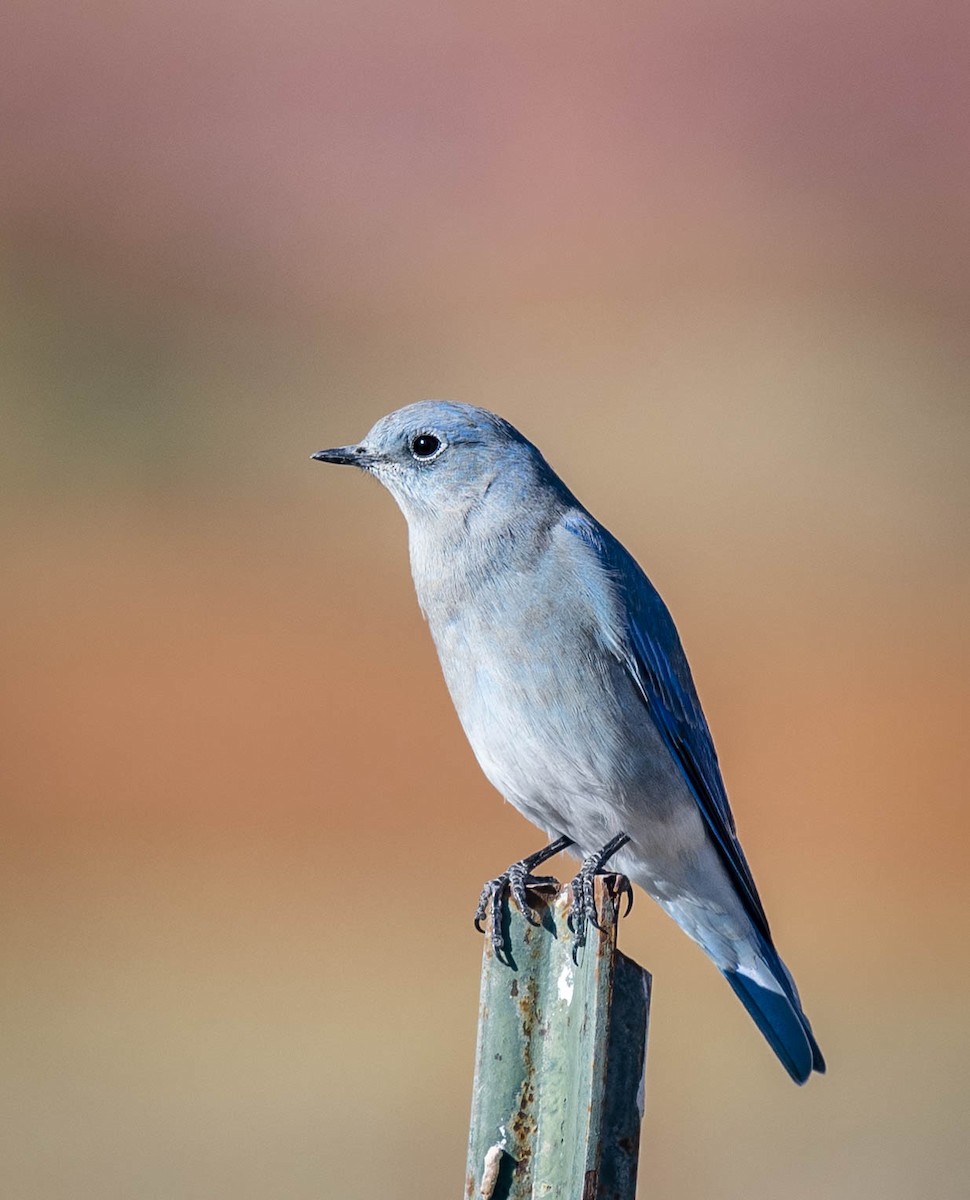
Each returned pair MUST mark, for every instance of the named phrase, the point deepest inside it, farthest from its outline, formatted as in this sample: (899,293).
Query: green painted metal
(558,1093)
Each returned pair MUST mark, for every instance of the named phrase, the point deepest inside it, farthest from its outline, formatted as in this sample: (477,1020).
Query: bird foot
(517,883)
(583,911)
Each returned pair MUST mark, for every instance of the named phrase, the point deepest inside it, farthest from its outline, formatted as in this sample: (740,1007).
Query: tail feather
(778,1014)
(783,1024)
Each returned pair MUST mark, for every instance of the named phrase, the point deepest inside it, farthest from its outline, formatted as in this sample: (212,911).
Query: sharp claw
(578,915)
(626,889)
(488,892)
(579,941)
(491,893)
(620,889)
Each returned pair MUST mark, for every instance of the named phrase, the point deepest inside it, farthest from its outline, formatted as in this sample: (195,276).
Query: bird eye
(425,445)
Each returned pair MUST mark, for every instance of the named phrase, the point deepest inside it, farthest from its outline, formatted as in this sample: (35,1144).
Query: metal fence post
(559,1067)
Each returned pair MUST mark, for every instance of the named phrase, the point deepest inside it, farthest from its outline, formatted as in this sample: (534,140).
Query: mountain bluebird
(573,689)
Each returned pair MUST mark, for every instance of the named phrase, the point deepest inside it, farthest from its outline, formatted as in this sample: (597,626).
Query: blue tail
(780,1018)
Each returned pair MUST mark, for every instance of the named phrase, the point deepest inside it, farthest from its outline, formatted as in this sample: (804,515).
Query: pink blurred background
(714,260)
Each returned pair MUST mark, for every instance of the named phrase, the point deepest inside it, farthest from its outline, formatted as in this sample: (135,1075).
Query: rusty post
(559,1068)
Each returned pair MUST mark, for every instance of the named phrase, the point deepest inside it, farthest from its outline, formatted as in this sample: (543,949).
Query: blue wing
(652,654)
(647,644)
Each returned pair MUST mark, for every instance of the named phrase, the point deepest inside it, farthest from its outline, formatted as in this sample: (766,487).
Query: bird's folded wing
(645,640)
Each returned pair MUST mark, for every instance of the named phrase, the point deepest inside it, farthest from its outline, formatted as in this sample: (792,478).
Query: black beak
(346,456)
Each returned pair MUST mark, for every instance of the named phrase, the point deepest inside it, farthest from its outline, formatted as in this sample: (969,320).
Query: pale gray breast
(551,715)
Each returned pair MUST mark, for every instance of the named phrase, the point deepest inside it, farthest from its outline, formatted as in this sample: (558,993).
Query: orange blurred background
(714,260)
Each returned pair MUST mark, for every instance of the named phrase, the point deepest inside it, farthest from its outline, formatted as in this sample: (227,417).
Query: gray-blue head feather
(437,456)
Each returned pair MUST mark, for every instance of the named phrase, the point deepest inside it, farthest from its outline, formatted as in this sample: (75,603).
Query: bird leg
(518,880)
(583,910)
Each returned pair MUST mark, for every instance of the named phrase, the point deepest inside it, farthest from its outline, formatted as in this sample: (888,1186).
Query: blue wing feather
(648,646)
(652,654)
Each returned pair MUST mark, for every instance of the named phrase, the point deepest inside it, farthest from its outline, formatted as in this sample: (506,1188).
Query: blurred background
(714,260)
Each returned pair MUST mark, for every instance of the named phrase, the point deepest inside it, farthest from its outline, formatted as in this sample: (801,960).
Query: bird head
(438,457)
